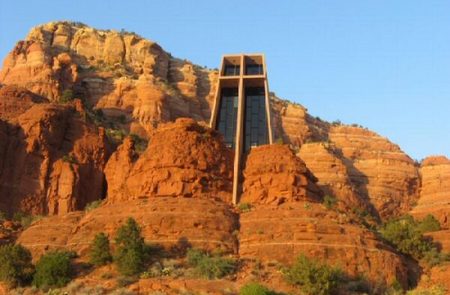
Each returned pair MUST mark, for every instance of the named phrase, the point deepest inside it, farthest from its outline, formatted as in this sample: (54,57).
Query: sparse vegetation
(66,96)
(244,207)
(255,289)
(69,159)
(2,216)
(92,205)
(429,224)
(25,219)
(329,201)
(140,144)
(15,265)
(406,234)
(210,266)
(53,270)
(313,277)
(435,290)
(100,253)
(131,254)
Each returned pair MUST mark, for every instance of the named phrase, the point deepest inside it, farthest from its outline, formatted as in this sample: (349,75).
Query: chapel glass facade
(228,115)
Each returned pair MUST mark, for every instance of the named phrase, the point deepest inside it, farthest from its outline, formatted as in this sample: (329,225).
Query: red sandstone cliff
(55,158)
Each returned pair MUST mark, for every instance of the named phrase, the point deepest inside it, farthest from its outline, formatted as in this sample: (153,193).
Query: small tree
(313,277)
(131,254)
(15,264)
(100,253)
(53,270)
(405,234)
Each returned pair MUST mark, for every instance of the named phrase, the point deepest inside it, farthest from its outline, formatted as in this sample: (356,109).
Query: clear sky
(383,64)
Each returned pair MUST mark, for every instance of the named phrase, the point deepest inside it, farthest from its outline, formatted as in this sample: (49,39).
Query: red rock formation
(333,178)
(14,101)
(170,222)
(378,169)
(278,234)
(274,175)
(52,160)
(435,191)
(121,73)
(182,159)
(270,231)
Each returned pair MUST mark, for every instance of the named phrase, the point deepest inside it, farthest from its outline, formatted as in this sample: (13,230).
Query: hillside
(91,115)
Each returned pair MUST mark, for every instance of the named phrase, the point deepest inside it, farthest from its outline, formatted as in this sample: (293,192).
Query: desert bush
(244,207)
(435,290)
(429,224)
(140,144)
(255,289)
(2,216)
(405,234)
(210,266)
(66,96)
(313,277)
(25,219)
(100,253)
(53,270)
(329,201)
(15,265)
(131,254)
(92,205)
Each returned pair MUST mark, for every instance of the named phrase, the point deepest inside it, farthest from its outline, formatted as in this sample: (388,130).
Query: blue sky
(383,64)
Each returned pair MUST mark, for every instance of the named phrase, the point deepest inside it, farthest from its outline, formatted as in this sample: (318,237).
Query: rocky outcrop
(327,164)
(183,159)
(274,175)
(378,169)
(287,220)
(435,190)
(278,234)
(435,197)
(174,223)
(52,160)
(118,72)
(14,101)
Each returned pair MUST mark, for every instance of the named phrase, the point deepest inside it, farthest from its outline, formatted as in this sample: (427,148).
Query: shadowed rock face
(51,160)
(435,197)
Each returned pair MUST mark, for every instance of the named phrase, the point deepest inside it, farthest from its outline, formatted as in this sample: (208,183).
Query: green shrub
(140,144)
(313,277)
(406,235)
(244,207)
(435,290)
(433,257)
(100,253)
(2,216)
(53,270)
(92,205)
(66,96)
(255,289)
(25,219)
(131,254)
(329,201)
(15,264)
(210,266)
(69,159)
(429,224)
